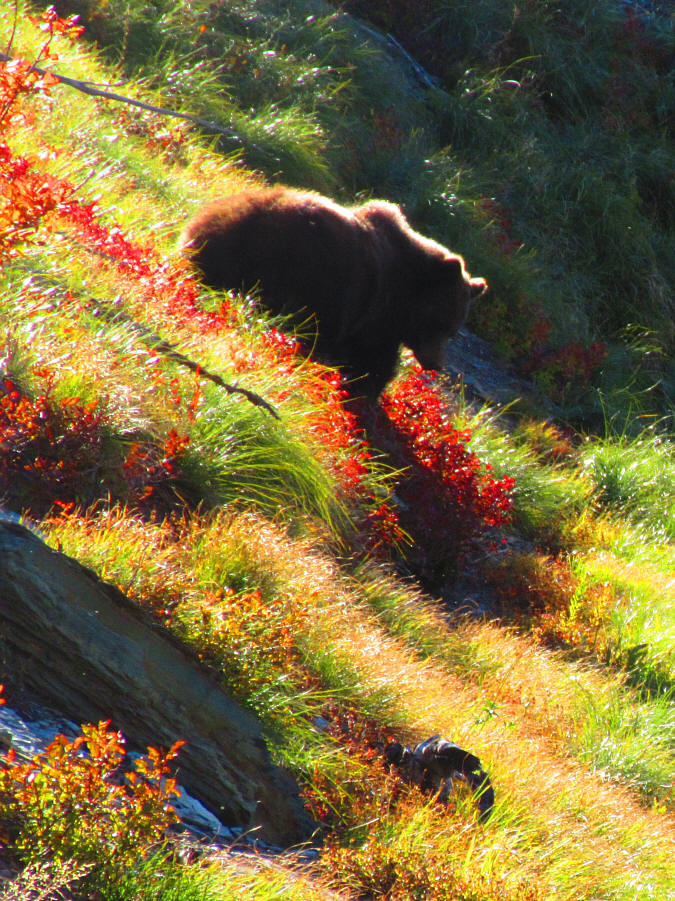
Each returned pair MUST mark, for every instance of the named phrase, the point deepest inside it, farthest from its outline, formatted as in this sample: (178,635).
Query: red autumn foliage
(457,493)
(19,77)
(446,496)
(567,367)
(52,453)
(500,225)
(26,196)
(147,469)
(362,739)
(49,450)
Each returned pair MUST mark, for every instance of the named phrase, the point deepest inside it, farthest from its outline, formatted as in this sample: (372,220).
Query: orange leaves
(249,636)
(51,24)
(149,467)
(47,81)
(19,77)
(26,197)
(561,606)
(73,800)
(16,78)
(174,447)
(49,450)
(52,453)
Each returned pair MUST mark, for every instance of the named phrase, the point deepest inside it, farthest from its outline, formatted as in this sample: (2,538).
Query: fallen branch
(394,48)
(88,88)
(168,350)
(111,313)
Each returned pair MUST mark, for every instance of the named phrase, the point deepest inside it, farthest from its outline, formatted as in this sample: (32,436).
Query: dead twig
(88,88)
(168,350)
(109,311)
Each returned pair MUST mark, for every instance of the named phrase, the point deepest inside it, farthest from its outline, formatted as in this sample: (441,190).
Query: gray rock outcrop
(84,649)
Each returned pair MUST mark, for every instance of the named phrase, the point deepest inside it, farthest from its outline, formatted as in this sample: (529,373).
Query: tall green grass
(228,552)
(228,877)
(238,454)
(635,478)
(547,129)
(613,729)
(550,494)
(641,624)
(633,743)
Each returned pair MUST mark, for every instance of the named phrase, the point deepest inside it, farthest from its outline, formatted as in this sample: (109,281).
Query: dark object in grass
(361,278)
(435,762)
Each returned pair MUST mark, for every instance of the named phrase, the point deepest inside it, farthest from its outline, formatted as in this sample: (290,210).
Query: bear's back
(365,278)
(305,253)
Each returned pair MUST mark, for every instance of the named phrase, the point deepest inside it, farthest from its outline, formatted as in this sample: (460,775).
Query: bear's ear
(478,287)
(453,268)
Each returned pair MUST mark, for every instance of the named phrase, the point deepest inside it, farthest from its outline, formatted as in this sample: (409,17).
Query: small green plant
(635,477)
(42,881)
(73,801)
(248,637)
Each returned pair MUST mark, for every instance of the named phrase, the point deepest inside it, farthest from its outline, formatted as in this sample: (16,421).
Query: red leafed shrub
(364,784)
(149,469)
(53,452)
(26,197)
(50,451)
(447,495)
(53,449)
(73,801)
(517,326)
(566,369)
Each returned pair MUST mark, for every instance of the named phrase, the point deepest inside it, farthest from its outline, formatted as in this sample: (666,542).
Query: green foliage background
(535,139)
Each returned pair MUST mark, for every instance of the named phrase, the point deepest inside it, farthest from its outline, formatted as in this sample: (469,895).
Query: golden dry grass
(553,816)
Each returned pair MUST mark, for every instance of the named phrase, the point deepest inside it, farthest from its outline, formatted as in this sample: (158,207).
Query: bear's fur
(368,280)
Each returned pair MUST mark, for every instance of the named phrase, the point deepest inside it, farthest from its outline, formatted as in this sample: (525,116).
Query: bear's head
(439,309)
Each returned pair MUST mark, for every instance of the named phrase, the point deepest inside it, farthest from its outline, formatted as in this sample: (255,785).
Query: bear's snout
(430,355)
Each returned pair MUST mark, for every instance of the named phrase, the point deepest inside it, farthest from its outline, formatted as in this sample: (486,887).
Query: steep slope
(274,549)
(476,117)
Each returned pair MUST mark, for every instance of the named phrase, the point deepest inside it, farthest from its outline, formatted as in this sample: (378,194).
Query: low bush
(75,802)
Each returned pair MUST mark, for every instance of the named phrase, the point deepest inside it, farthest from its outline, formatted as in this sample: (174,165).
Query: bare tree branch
(109,311)
(88,88)
(153,341)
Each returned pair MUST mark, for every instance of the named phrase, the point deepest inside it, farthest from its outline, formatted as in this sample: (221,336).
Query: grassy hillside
(537,141)
(303,564)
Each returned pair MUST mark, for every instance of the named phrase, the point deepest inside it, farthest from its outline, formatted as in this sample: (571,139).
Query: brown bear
(362,276)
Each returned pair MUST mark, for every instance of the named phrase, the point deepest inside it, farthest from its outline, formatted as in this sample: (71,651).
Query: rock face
(488,379)
(86,650)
